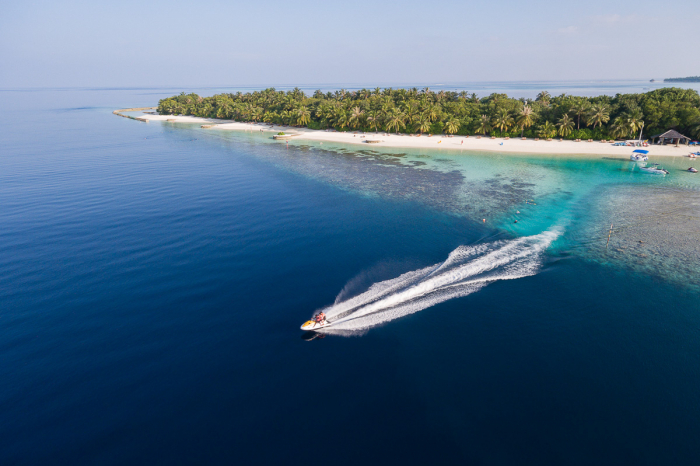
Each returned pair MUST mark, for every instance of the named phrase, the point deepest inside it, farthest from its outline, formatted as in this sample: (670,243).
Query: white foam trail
(466,270)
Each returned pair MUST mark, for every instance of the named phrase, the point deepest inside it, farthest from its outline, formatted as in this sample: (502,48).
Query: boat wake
(466,270)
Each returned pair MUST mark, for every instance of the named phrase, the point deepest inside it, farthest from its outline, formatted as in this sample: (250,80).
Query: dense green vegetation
(689,79)
(425,111)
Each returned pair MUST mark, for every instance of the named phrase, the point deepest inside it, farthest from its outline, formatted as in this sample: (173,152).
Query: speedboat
(639,155)
(693,170)
(654,170)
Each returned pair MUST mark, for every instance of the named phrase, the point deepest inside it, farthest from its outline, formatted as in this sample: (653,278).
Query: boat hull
(653,171)
(311,325)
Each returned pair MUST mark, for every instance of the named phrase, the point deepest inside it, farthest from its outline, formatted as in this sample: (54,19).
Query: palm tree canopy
(598,115)
(451,126)
(547,130)
(422,124)
(503,120)
(654,112)
(566,125)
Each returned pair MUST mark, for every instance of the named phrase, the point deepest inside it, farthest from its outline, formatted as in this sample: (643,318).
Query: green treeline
(425,111)
(689,79)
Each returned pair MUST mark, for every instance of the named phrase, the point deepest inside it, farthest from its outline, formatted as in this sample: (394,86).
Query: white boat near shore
(655,169)
(639,155)
(284,136)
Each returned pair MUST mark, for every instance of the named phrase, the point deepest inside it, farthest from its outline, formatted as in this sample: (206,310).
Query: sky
(305,42)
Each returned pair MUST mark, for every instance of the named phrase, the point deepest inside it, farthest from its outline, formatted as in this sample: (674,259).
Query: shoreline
(455,143)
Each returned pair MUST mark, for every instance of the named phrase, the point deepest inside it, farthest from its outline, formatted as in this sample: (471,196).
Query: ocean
(153,278)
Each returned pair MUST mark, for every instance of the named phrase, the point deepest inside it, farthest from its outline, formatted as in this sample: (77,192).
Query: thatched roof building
(670,137)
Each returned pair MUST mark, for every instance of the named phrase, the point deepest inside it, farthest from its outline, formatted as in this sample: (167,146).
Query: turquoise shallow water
(153,278)
(539,191)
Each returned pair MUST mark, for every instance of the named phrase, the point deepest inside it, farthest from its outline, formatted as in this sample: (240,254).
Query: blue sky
(215,43)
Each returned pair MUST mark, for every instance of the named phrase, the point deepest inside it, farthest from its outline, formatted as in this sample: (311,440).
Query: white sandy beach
(485,143)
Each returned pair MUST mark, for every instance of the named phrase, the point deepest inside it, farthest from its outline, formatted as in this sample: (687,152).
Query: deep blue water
(153,280)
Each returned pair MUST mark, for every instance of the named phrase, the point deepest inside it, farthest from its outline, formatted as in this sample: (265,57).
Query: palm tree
(432,112)
(598,115)
(503,120)
(452,126)
(619,128)
(547,130)
(374,119)
(566,125)
(484,125)
(580,108)
(356,117)
(268,117)
(285,117)
(342,119)
(634,121)
(409,108)
(544,97)
(303,116)
(525,118)
(395,120)
(422,123)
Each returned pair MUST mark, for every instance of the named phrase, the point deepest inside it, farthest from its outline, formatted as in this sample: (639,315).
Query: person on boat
(320,318)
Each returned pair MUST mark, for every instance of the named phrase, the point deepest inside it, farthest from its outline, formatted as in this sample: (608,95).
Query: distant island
(689,79)
(459,113)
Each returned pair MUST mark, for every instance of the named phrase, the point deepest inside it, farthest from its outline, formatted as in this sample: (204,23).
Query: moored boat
(639,155)
(655,169)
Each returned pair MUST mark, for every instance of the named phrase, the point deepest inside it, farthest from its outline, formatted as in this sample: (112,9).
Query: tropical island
(414,111)
(689,79)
